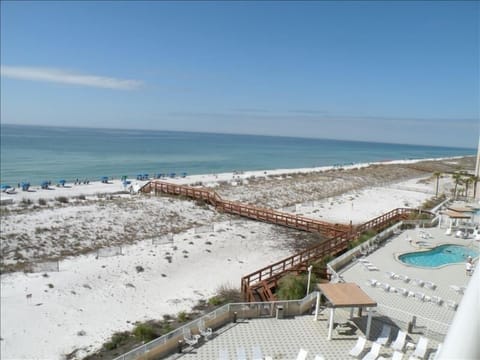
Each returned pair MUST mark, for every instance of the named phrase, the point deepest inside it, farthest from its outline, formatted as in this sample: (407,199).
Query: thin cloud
(68,77)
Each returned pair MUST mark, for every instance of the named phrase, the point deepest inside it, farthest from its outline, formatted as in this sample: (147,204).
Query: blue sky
(403,72)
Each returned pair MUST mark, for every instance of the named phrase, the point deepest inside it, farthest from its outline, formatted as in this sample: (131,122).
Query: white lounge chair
(402,291)
(437,300)
(319,357)
(204,331)
(418,282)
(359,346)
(399,342)
(384,335)
(302,354)
(374,351)
(419,296)
(452,304)
(457,289)
(391,275)
(372,268)
(189,338)
(430,285)
(448,232)
(385,287)
(372,282)
(420,350)
(404,278)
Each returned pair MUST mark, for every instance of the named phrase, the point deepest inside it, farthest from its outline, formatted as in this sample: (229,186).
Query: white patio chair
(391,275)
(372,282)
(404,278)
(457,289)
(430,285)
(189,338)
(399,342)
(302,354)
(374,351)
(384,335)
(418,282)
(452,304)
(372,268)
(437,300)
(402,291)
(359,346)
(319,357)
(204,331)
(420,350)
(419,296)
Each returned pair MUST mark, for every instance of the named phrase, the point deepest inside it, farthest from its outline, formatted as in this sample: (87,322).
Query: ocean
(39,153)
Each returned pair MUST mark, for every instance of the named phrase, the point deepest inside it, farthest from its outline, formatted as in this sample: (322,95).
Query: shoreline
(97,295)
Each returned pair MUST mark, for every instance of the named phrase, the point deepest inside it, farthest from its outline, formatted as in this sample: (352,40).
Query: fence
(110,251)
(432,329)
(46,266)
(216,319)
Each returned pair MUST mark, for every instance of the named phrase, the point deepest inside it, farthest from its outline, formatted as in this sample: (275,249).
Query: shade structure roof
(456,215)
(346,295)
(460,209)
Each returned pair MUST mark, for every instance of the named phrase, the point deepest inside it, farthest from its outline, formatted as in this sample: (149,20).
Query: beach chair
(419,296)
(430,285)
(241,354)
(374,351)
(399,342)
(372,268)
(319,357)
(384,335)
(448,232)
(397,355)
(452,304)
(385,287)
(457,289)
(372,282)
(437,300)
(302,354)
(204,331)
(404,278)
(391,275)
(402,291)
(418,282)
(359,347)
(420,350)
(189,338)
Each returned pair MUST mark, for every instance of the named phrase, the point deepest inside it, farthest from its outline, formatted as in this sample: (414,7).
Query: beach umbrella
(5,186)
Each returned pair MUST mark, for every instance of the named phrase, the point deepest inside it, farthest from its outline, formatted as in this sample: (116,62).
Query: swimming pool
(439,256)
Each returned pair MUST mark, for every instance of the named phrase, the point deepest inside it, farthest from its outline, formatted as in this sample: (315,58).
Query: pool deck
(283,338)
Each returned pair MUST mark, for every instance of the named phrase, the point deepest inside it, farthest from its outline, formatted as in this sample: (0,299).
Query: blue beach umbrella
(62,182)
(5,186)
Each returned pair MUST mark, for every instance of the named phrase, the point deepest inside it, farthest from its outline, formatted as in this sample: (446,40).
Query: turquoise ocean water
(35,153)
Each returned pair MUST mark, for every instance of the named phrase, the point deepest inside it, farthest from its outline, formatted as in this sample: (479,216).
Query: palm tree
(458,180)
(475,180)
(467,181)
(437,174)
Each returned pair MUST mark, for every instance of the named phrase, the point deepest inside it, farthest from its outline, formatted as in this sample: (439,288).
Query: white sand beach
(49,314)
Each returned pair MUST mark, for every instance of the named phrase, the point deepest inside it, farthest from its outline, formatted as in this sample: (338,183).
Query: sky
(398,72)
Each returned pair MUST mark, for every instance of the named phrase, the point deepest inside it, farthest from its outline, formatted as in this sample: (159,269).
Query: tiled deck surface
(282,338)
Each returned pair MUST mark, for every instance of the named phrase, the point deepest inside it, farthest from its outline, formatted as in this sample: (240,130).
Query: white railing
(224,315)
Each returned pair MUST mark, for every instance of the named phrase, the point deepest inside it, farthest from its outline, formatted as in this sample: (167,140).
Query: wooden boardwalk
(260,285)
(249,211)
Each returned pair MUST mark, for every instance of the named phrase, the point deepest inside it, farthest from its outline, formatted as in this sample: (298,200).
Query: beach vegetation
(294,287)
(144,332)
(62,199)
(42,202)
(182,317)
(25,202)
(118,339)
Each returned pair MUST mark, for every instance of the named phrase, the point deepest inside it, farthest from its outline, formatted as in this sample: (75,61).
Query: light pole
(308,281)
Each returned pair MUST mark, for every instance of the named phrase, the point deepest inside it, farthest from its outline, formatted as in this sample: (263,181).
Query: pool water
(438,256)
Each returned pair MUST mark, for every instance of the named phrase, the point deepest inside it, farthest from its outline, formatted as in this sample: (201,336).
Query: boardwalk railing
(248,211)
